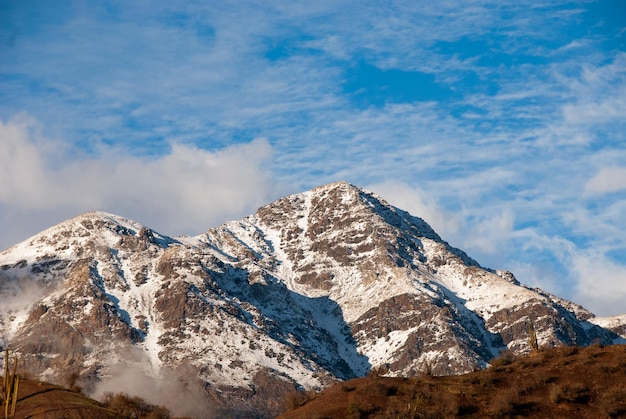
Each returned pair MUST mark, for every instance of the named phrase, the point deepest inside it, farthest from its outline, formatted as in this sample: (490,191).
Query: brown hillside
(42,401)
(39,400)
(567,382)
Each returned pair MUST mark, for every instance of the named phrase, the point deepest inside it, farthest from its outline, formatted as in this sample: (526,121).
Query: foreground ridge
(544,385)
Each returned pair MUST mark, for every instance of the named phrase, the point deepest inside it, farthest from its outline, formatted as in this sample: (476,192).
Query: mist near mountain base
(179,390)
(21,293)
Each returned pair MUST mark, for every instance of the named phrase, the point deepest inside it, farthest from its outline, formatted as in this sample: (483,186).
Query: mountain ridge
(315,287)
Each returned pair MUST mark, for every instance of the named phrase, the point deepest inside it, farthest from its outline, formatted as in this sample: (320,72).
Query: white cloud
(610,179)
(181,192)
(609,109)
(491,235)
(601,285)
(589,276)
(417,203)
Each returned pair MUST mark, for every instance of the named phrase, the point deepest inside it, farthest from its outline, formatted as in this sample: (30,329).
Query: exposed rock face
(315,287)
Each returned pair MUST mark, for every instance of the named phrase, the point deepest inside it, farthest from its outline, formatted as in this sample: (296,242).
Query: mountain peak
(103,219)
(337,184)
(322,285)
(340,187)
(95,227)
(344,200)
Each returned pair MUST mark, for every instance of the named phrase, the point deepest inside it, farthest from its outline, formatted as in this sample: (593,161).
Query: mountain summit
(316,287)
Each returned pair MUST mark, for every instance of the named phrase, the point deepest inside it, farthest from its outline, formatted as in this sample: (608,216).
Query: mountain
(316,287)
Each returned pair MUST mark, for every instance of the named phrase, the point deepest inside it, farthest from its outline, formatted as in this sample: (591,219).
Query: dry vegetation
(126,406)
(39,400)
(567,382)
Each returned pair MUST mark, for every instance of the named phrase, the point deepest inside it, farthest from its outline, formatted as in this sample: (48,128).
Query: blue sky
(502,124)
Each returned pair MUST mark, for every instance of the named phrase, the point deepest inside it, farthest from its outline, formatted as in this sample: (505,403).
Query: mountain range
(317,287)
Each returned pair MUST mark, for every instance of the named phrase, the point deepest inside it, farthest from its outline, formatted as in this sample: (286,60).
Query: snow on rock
(316,287)
(616,324)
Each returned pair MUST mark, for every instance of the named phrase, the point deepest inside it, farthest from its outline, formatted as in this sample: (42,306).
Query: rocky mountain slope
(316,287)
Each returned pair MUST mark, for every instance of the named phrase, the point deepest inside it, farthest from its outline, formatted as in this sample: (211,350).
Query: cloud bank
(182,192)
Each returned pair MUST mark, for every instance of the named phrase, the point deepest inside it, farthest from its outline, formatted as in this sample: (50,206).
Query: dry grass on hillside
(39,400)
(42,401)
(568,382)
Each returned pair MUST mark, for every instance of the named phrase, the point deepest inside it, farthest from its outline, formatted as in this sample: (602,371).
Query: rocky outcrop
(316,287)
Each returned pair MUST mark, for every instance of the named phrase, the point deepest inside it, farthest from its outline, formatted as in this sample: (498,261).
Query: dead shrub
(613,402)
(71,381)
(378,389)
(132,407)
(346,388)
(294,399)
(609,369)
(506,357)
(529,362)
(570,350)
(504,402)
(572,393)
(354,409)
(448,402)
(556,394)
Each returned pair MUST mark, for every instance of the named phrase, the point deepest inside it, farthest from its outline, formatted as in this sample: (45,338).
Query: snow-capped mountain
(320,286)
